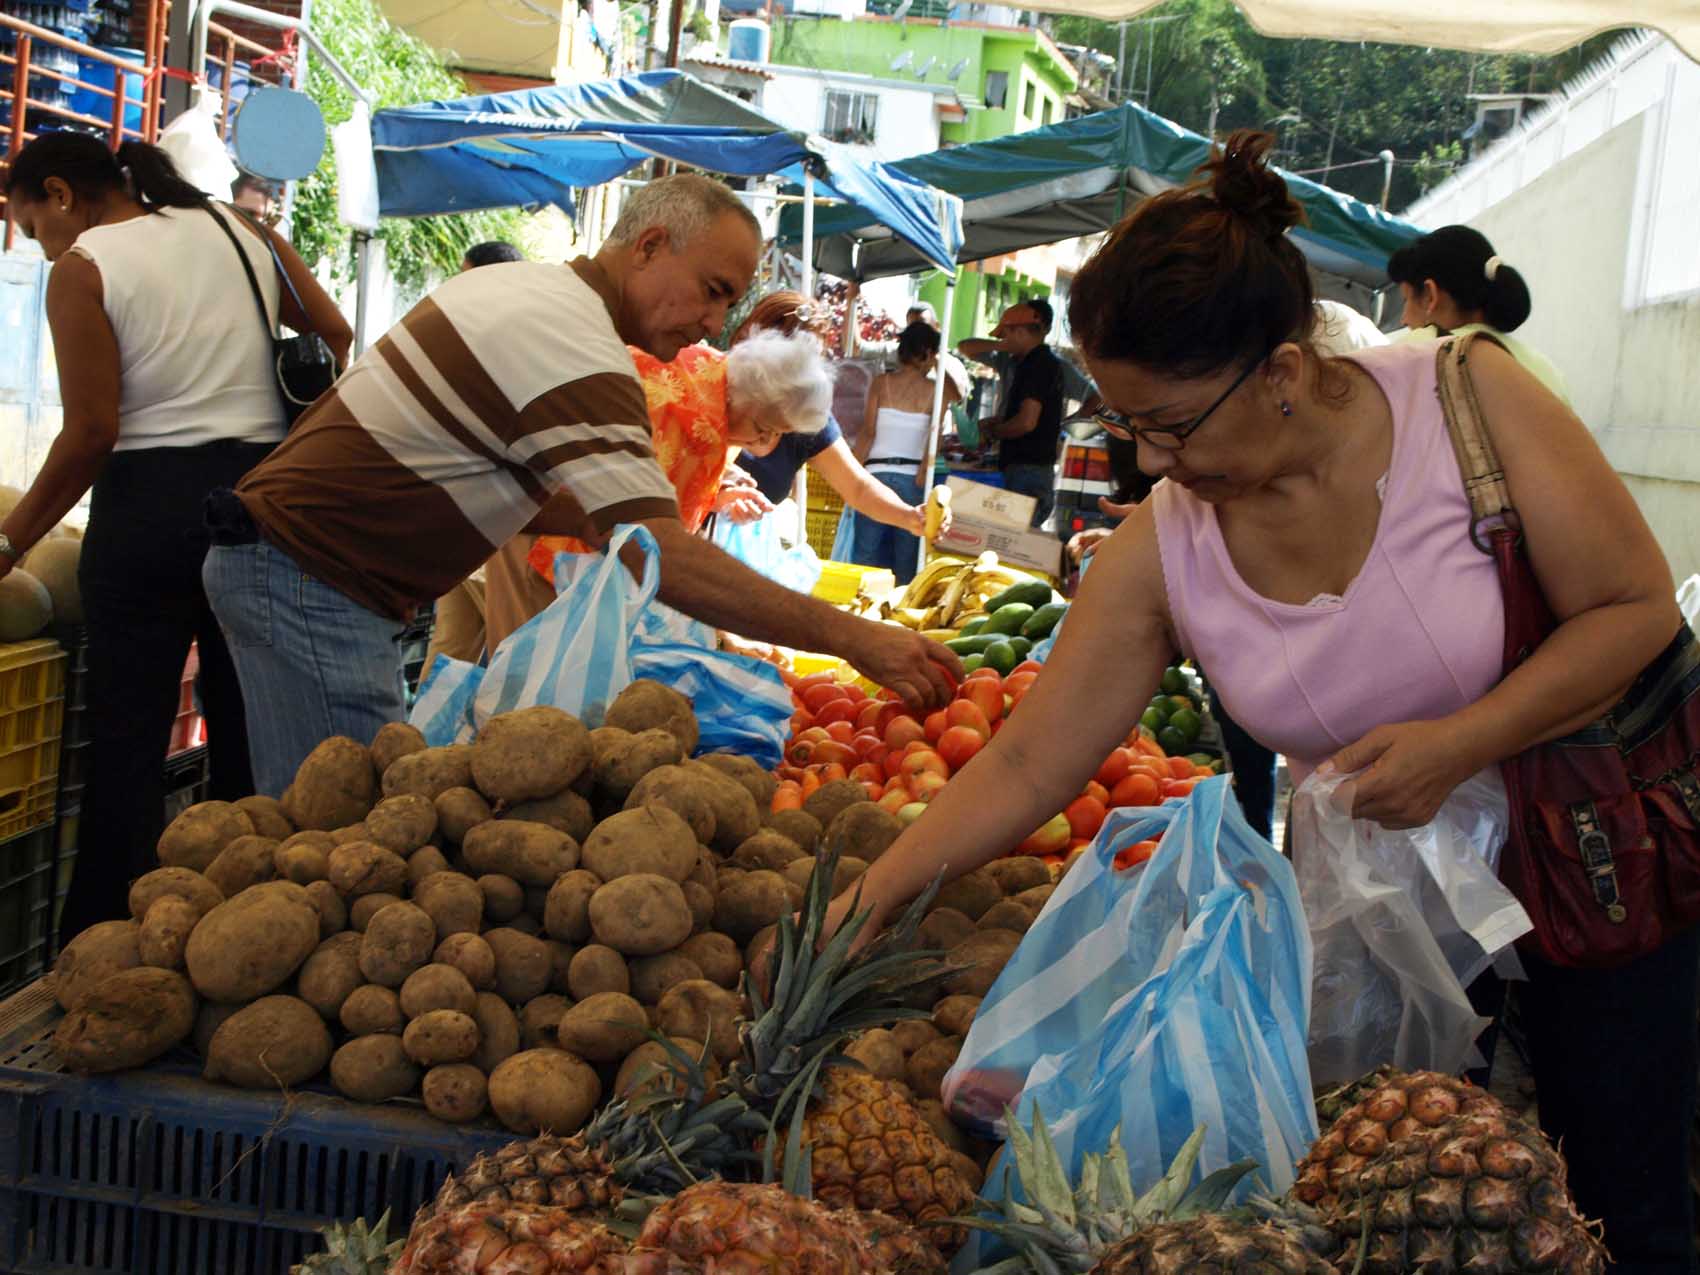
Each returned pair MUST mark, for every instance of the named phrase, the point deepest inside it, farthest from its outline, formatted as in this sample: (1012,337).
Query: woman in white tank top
(166,375)
(893,447)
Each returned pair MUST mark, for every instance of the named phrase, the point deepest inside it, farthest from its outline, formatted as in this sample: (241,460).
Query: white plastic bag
(1402,922)
(194,145)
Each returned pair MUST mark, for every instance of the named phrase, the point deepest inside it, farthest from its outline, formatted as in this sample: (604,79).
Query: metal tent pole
(929,455)
(808,288)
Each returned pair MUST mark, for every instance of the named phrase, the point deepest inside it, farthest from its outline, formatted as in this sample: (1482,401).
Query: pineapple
(1101,1227)
(503,1238)
(731,1227)
(1384,1113)
(1482,1193)
(873,1144)
(353,1250)
(873,1150)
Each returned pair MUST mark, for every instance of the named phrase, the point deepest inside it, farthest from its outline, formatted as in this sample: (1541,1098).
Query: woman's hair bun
(1242,181)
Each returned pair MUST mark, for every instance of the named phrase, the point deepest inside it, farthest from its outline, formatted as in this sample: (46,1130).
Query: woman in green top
(1453,281)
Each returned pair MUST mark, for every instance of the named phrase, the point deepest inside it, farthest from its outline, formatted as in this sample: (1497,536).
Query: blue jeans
(1037,481)
(312,662)
(874,544)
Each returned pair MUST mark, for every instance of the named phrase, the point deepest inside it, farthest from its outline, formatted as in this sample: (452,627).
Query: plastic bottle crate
(822,530)
(32,718)
(189,730)
(29,890)
(157,1172)
(187,779)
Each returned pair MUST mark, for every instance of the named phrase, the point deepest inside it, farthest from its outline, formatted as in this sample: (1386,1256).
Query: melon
(54,563)
(26,608)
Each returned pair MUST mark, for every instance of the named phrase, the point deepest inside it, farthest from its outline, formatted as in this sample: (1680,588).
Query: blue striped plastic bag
(1170,995)
(603,631)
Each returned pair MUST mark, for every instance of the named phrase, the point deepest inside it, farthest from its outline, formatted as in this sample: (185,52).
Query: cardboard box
(984,517)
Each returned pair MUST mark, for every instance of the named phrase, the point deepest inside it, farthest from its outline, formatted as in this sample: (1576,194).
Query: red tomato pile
(841,732)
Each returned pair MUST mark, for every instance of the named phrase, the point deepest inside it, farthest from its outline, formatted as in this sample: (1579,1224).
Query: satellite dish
(957,70)
(925,67)
(903,60)
(279,134)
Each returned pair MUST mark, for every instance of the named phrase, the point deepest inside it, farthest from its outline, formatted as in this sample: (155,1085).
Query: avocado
(1035,593)
(1009,619)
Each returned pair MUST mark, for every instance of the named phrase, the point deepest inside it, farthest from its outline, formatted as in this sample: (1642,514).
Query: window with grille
(997,89)
(850,117)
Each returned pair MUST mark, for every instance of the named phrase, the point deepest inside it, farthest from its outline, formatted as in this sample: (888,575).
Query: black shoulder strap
(247,269)
(271,248)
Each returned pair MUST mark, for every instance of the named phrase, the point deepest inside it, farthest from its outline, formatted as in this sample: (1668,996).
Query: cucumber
(1009,619)
(973,626)
(1001,656)
(975,645)
(1035,593)
(1042,621)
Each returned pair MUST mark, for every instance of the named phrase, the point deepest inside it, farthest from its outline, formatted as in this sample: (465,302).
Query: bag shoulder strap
(1478,461)
(276,260)
(247,269)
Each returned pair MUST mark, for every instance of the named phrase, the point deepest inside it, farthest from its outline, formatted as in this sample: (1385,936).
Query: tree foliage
(396,70)
(1334,105)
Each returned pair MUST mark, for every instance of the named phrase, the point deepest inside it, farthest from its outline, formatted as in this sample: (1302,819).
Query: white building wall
(1595,203)
(906,122)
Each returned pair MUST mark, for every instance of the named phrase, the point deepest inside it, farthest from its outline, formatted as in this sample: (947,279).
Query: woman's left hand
(1405,771)
(742,504)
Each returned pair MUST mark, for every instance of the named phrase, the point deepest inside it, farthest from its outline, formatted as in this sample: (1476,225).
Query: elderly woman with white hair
(703,406)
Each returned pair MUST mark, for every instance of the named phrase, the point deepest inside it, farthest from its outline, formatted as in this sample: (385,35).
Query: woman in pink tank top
(1310,548)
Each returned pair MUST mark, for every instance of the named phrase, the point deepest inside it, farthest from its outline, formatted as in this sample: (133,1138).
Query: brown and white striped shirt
(505,386)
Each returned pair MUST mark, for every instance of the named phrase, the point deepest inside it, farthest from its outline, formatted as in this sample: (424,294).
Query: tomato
(958,744)
(865,741)
(1179,788)
(898,783)
(893,799)
(1115,768)
(833,770)
(893,760)
(824,678)
(925,761)
(838,710)
(1137,853)
(818,697)
(788,796)
(811,781)
(988,674)
(1095,789)
(866,774)
(841,731)
(1027,666)
(873,791)
(937,724)
(1018,684)
(800,752)
(986,693)
(1085,816)
(834,751)
(869,716)
(1050,838)
(1148,747)
(965,712)
(801,720)
(1181,768)
(926,785)
(813,734)
(903,729)
(856,694)
(1136,789)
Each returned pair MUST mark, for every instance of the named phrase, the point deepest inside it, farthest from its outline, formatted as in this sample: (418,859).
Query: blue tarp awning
(535,146)
(1081,177)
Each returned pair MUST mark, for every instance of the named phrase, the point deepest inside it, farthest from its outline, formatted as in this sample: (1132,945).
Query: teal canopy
(1080,177)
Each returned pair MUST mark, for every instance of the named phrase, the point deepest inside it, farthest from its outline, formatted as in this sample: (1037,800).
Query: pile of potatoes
(498,926)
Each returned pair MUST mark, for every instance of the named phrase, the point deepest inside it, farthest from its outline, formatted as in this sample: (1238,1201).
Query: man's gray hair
(683,205)
(769,372)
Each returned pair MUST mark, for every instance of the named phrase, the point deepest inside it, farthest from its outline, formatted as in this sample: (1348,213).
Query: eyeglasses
(1169,438)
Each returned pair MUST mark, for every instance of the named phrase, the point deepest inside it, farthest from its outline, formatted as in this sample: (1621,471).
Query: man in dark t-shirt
(1029,421)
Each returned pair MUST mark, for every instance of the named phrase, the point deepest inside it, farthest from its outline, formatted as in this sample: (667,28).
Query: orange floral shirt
(688,423)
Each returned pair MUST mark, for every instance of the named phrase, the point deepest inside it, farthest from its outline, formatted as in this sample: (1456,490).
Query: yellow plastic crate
(843,582)
(823,530)
(824,498)
(32,720)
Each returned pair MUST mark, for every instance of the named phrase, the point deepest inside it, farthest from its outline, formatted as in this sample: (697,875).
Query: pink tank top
(1418,634)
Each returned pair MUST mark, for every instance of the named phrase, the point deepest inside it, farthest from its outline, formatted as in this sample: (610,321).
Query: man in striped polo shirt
(503,402)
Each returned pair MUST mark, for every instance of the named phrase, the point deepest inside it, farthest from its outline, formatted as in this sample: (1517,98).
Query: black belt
(228,520)
(893,460)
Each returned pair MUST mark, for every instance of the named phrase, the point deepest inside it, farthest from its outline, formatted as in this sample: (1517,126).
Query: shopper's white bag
(1401,923)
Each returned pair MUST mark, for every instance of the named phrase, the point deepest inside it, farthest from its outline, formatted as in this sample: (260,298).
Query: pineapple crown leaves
(1067,1227)
(354,1250)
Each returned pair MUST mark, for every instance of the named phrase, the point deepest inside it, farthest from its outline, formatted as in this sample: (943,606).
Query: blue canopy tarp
(535,146)
(1080,177)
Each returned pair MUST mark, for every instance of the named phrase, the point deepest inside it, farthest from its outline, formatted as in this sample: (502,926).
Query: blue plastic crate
(157,1172)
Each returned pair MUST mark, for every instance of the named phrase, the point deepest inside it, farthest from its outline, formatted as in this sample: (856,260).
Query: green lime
(1152,720)
(1202,759)
(1161,704)
(1188,723)
(1174,681)
(1171,741)
(1002,657)
(972,662)
(1178,702)
(1022,646)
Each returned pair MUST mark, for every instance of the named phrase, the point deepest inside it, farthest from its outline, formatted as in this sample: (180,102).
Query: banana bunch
(947,591)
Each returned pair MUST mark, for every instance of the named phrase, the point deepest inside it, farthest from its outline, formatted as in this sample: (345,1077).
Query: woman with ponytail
(1453,281)
(165,373)
(1309,546)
